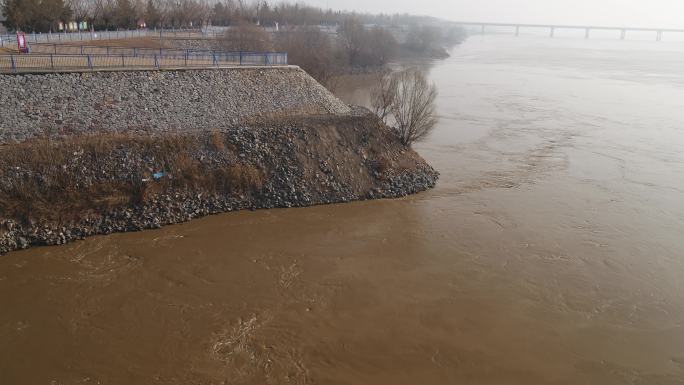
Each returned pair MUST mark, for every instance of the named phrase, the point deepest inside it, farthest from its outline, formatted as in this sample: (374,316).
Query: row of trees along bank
(404,100)
(45,15)
(355,47)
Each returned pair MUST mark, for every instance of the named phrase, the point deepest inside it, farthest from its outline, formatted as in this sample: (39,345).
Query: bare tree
(153,17)
(125,14)
(34,15)
(312,50)
(95,11)
(80,9)
(365,47)
(204,12)
(384,94)
(409,100)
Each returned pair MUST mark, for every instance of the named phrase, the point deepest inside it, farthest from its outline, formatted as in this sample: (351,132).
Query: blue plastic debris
(158,175)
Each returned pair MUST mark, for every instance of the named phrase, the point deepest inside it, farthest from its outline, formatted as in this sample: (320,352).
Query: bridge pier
(623,34)
(659,36)
(553,32)
(517,30)
(586,33)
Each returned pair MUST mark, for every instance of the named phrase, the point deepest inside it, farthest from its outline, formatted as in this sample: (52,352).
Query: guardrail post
(123,60)
(187,52)
(156,63)
(214,56)
(52,62)
(81,49)
(55,47)
(13,64)
(240,57)
(265,59)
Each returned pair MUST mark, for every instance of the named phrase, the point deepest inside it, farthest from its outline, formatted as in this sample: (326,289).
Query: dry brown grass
(134,42)
(382,164)
(39,179)
(240,177)
(217,140)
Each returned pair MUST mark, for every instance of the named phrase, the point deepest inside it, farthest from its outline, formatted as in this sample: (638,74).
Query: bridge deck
(561,26)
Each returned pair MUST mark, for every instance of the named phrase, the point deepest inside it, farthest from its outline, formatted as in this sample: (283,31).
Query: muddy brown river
(551,252)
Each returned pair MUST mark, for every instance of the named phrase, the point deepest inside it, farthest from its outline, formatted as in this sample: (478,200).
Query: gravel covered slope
(35,105)
(103,152)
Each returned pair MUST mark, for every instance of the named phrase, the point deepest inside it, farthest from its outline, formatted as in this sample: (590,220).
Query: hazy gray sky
(634,13)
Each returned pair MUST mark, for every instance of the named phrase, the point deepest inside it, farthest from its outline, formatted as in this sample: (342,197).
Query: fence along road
(10,40)
(86,49)
(90,62)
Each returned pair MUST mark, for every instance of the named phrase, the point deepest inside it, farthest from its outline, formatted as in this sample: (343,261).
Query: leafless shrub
(406,101)
(384,95)
(246,37)
(366,47)
(217,140)
(311,49)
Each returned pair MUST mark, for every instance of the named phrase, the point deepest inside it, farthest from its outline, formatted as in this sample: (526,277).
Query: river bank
(97,153)
(56,191)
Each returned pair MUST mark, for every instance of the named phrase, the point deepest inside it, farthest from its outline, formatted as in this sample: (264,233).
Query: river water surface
(551,252)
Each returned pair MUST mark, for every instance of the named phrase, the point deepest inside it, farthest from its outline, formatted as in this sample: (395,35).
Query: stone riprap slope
(38,105)
(52,192)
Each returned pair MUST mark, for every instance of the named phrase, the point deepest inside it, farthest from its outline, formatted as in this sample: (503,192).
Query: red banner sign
(21,42)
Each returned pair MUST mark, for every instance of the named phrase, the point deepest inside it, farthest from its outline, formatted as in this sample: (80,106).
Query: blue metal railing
(90,62)
(85,49)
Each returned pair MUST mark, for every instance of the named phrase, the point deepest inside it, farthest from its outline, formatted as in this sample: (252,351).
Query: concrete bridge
(658,32)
